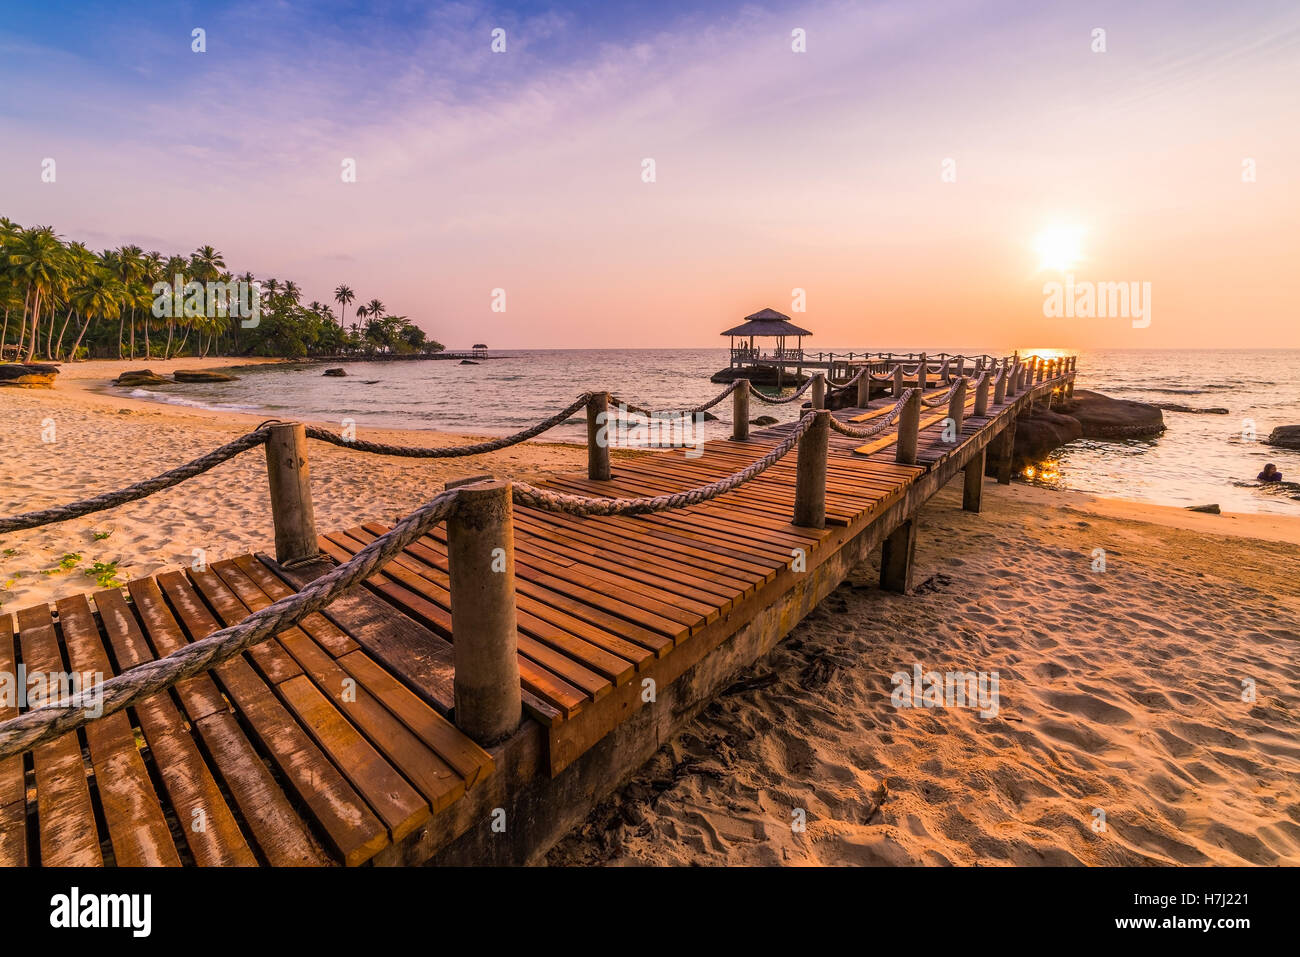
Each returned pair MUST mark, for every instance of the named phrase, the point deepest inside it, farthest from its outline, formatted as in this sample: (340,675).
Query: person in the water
(1270,474)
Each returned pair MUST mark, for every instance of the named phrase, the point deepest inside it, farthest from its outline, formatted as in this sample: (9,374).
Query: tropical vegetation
(60,300)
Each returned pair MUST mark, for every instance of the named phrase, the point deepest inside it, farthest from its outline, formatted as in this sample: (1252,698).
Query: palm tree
(37,260)
(99,294)
(375,308)
(343,295)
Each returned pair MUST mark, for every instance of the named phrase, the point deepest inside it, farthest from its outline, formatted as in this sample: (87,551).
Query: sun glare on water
(1059,247)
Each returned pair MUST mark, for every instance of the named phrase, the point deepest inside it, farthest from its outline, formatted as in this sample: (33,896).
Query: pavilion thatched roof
(767,322)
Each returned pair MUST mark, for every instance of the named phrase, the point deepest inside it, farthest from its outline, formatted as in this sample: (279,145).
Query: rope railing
(464,517)
(843,428)
(674,413)
(789,398)
(453,451)
(45,723)
(534,497)
(62,513)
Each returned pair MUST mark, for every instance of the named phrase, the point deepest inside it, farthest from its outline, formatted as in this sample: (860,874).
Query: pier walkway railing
(479,528)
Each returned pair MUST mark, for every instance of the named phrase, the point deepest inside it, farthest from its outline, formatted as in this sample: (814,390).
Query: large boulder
(202,375)
(334,372)
(1105,418)
(1285,437)
(28,375)
(139,377)
(1039,434)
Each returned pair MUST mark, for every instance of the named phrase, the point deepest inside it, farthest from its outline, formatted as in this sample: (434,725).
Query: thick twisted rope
(61,513)
(534,497)
(790,398)
(938,400)
(43,724)
(675,413)
(840,386)
(843,428)
(454,451)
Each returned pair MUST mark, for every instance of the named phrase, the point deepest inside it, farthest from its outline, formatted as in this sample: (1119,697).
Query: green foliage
(104,573)
(60,300)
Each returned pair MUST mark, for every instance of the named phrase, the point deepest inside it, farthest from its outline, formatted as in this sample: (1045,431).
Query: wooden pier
(338,741)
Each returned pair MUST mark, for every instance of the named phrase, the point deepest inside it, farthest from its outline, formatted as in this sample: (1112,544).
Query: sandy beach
(1119,690)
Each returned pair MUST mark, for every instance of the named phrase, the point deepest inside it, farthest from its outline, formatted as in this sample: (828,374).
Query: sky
(921,170)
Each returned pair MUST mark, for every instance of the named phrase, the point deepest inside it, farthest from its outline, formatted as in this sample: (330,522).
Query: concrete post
(897,553)
(961,366)
(481,562)
(292,513)
(909,424)
(1000,390)
(810,476)
(819,391)
(982,396)
(973,486)
(957,408)
(898,380)
(740,411)
(598,437)
(922,370)
(864,388)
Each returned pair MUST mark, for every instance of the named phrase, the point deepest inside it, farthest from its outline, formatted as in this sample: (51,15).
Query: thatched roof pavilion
(766,323)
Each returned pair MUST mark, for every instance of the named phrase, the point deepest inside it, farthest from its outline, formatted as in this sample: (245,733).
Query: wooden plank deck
(333,740)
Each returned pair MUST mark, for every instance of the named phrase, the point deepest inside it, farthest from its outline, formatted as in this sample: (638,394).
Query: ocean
(1201,459)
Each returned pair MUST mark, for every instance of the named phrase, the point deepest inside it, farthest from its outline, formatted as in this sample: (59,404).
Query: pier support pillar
(819,391)
(810,475)
(481,562)
(598,437)
(1007,444)
(292,513)
(897,556)
(973,490)
(740,411)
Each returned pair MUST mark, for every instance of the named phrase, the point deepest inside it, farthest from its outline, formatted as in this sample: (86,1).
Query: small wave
(191,403)
(1200,391)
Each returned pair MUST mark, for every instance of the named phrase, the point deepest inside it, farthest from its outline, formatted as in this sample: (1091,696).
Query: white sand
(1118,690)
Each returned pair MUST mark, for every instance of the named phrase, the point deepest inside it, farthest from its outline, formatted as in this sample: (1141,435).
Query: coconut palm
(343,295)
(37,260)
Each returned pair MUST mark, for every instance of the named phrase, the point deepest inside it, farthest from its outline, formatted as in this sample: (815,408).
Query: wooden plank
(136,825)
(352,828)
(69,836)
(13,785)
(213,835)
(421,659)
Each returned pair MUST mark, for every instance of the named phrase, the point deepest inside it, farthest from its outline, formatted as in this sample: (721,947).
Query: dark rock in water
(1105,418)
(28,375)
(1212,509)
(202,375)
(1175,407)
(709,417)
(139,377)
(763,420)
(1039,434)
(1285,437)
(468,362)
(334,372)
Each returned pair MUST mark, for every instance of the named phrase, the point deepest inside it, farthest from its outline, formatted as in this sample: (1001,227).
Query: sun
(1059,247)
